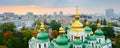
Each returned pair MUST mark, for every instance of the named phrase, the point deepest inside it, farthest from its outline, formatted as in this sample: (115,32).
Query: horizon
(67,6)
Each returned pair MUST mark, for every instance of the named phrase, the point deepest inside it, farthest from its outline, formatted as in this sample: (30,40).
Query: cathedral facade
(77,37)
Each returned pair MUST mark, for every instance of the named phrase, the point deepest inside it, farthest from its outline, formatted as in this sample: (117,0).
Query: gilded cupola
(77,26)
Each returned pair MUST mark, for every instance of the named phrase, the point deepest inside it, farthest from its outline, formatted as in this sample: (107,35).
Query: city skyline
(48,6)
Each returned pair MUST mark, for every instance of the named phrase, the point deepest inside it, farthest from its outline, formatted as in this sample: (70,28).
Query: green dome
(42,36)
(61,40)
(45,31)
(51,46)
(77,42)
(87,29)
(97,42)
(92,38)
(32,41)
(99,32)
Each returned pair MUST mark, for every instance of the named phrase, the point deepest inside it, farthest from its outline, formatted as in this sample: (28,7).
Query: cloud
(97,5)
(40,10)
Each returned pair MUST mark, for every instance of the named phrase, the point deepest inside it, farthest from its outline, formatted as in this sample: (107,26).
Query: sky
(49,6)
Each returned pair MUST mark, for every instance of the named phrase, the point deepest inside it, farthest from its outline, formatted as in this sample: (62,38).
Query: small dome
(42,36)
(91,38)
(87,29)
(32,40)
(77,42)
(99,32)
(61,40)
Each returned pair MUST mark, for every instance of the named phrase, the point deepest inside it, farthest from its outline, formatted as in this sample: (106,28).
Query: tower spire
(76,9)
(98,25)
(87,23)
(42,26)
(77,14)
(61,30)
(77,26)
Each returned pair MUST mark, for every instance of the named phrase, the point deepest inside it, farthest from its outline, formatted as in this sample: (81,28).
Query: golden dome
(98,25)
(42,26)
(77,35)
(71,22)
(77,25)
(87,23)
(91,33)
(61,30)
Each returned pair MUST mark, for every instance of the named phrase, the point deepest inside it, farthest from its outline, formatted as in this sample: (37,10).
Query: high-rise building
(61,13)
(8,14)
(110,13)
(30,14)
(54,13)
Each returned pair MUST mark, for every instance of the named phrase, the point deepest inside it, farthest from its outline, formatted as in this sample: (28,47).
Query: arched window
(39,45)
(82,38)
(78,47)
(92,44)
(44,45)
(87,35)
(99,41)
(71,38)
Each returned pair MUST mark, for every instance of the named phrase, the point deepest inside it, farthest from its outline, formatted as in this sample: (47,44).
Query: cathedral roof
(42,36)
(32,40)
(87,28)
(77,26)
(77,40)
(91,37)
(99,32)
(61,39)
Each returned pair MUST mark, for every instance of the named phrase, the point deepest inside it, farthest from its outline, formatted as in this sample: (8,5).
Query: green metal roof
(32,41)
(43,36)
(99,32)
(61,42)
(51,46)
(91,38)
(87,29)
(77,42)
(61,39)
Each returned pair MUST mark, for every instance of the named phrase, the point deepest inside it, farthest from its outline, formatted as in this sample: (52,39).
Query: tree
(6,35)
(112,24)
(54,34)
(47,28)
(93,27)
(1,39)
(46,23)
(35,32)
(27,34)
(7,27)
(55,25)
(109,32)
(85,21)
(36,23)
(116,42)
(104,22)
(10,42)
(97,21)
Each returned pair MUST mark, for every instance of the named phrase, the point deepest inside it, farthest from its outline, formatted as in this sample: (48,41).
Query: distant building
(61,13)
(29,14)
(110,13)
(8,14)
(54,13)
